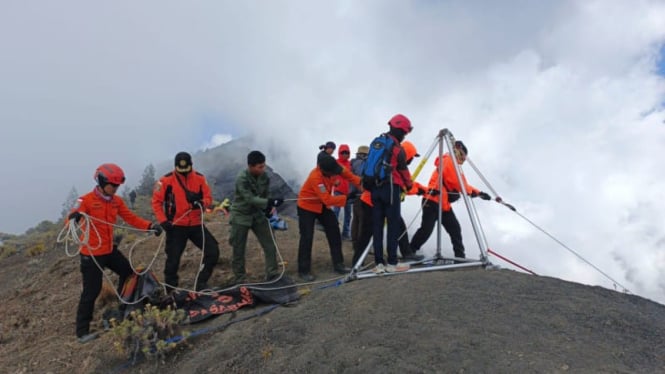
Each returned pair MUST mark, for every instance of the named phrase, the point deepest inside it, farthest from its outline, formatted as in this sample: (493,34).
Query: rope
(509,261)
(80,234)
(615,283)
(500,201)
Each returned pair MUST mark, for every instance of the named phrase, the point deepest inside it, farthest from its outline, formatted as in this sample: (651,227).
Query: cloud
(217,139)
(559,102)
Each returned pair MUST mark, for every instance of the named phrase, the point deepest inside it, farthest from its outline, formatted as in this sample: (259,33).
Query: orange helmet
(109,173)
(410,150)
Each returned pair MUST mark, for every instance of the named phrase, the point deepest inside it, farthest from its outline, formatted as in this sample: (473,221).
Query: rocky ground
(462,321)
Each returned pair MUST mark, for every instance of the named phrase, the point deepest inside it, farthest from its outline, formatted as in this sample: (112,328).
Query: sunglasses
(345,153)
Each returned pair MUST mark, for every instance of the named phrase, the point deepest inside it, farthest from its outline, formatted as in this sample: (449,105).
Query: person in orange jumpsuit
(178,201)
(450,193)
(103,207)
(314,201)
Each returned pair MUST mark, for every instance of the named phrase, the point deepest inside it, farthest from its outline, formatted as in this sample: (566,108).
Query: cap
(328,164)
(183,162)
(459,145)
(329,144)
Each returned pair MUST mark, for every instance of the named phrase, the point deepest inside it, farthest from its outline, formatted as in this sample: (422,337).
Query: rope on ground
(509,261)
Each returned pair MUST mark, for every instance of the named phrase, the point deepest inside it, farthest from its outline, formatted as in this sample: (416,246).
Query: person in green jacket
(250,209)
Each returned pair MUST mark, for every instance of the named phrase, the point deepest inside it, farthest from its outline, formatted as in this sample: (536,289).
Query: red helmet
(410,150)
(109,173)
(399,121)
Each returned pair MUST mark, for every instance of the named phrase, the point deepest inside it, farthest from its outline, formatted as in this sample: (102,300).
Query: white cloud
(217,139)
(558,102)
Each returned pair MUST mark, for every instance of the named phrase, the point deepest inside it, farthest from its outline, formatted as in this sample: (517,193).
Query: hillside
(467,321)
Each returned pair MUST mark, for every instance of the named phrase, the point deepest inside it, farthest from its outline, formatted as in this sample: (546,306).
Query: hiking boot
(397,268)
(379,269)
(88,337)
(341,269)
(413,257)
(307,277)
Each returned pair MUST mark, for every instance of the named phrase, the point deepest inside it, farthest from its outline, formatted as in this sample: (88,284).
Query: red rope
(510,262)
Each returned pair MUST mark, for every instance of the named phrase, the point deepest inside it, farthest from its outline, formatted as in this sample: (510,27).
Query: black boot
(341,269)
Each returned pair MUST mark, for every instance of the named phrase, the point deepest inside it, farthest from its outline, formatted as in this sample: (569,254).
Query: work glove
(167,226)
(156,228)
(484,196)
(433,192)
(75,216)
(274,202)
(198,204)
(421,191)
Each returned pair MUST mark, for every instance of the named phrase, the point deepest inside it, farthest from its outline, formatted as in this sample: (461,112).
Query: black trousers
(176,241)
(306,221)
(355,221)
(92,284)
(363,215)
(386,206)
(448,221)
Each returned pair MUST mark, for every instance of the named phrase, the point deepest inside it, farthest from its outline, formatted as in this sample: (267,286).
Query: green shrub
(7,250)
(145,333)
(35,250)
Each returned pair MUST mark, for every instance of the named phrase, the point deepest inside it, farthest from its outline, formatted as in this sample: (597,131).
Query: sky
(559,102)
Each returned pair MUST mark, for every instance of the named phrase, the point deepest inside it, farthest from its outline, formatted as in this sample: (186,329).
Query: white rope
(615,283)
(75,233)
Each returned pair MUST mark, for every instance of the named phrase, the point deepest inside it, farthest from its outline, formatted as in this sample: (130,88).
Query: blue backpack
(377,168)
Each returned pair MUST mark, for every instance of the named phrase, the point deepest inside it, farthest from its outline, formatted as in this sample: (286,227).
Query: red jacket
(169,199)
(450,183)
(104,214)
(400,174)
(315,193)
(343,185)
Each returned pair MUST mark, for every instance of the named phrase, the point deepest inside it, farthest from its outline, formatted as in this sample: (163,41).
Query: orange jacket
(315,193)
(169,199)
(450,183)
(415,188)
(104,214)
